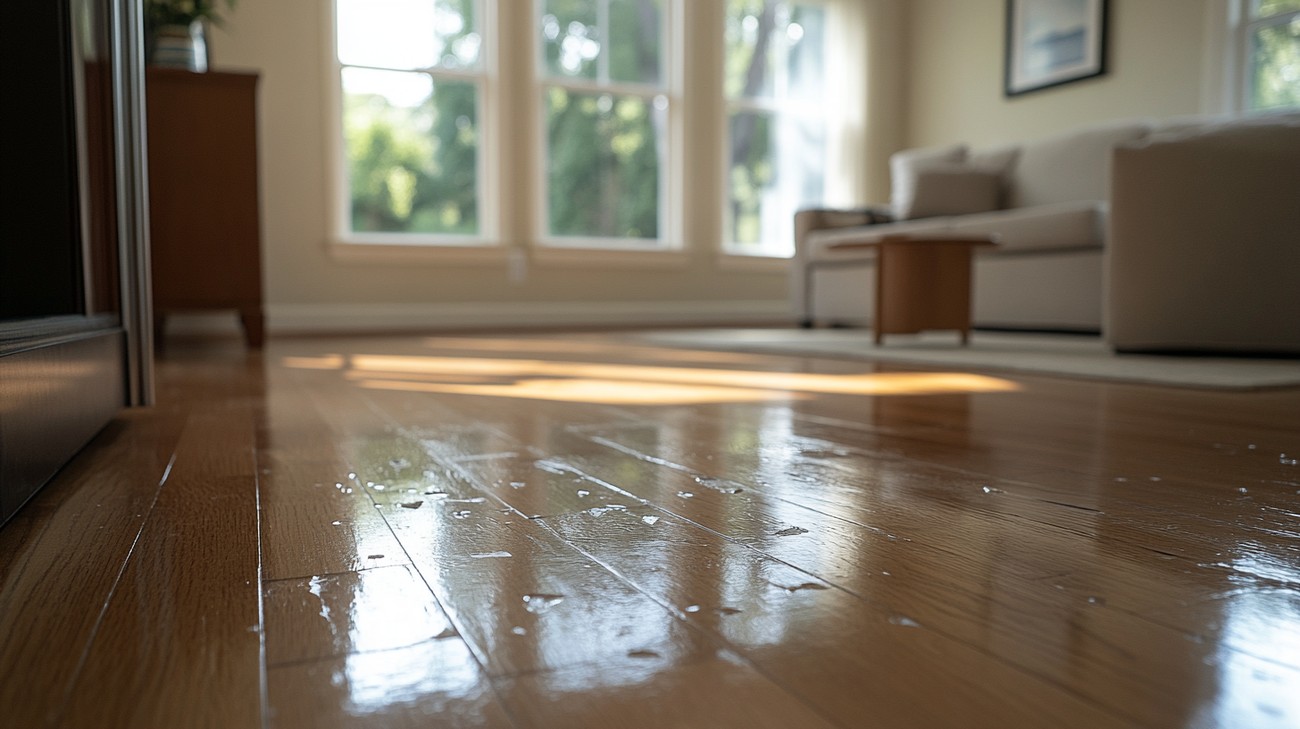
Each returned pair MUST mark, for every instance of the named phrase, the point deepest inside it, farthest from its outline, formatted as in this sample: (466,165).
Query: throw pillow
(1001,160)
(955,191)
(906,165)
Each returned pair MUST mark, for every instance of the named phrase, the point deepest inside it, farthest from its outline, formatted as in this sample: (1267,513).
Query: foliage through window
(1272,43)
(777,135)
(605,105)
(412,84)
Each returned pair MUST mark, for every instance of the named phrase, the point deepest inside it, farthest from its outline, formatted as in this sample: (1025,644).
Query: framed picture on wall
(1054,42)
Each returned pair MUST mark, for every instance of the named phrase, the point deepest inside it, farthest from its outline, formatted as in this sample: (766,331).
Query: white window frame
(484,245)
(734,253)
(669,239)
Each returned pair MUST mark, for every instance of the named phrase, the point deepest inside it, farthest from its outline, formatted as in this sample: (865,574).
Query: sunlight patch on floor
(626,384)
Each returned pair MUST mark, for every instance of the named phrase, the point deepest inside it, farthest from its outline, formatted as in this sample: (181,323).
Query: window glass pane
(775,168)
(604,164)
(571,38)
(1276,64)
(751,26)
(408,34)
(635,41)
(412,151)
(1264,8)
(776,67)
(775,49)
(805,37)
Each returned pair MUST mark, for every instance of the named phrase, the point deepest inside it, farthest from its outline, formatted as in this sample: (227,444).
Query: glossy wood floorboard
(579,530)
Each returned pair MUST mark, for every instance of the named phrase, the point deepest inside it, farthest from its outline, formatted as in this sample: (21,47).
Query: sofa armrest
(808,220)
(1202,241)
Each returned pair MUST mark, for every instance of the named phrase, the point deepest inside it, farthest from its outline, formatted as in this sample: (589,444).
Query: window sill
(472,254)
(585,257)
(752,263)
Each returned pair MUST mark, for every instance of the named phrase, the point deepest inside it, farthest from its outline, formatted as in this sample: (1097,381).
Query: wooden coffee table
(922,283)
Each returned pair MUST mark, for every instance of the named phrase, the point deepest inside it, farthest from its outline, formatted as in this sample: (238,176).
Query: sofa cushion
(955,191)
(1062,226)
(1072,225)
(905,165)
(1069,167)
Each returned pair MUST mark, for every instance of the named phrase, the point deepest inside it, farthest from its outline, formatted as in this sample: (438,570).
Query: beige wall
(955,71)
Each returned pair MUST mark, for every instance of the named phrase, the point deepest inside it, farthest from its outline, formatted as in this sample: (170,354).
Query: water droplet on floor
(352,475)
(412,504)
(462,514)
(540,602)
(517,484)
(792,531)
(804,586)
(583,493)
(1242,490)
(379,506)
(1251,446)
(650,520)
(551,466)
(336,523)
(726,611)
(1094,600)
(904,621)
(722,486)
(474,500)
(886,573)
(338,486)
(692,608)
(491,555)
(374,556)
(518,630)
(379,487)
(642,654)
(347,490)
(1121,479)
(685,494)
(1154,478)
(603,510)
(991,490)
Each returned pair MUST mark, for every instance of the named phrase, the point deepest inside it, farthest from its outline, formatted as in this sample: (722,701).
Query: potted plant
(175,31)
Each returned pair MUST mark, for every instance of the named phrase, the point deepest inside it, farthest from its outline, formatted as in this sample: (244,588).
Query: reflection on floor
(586,531)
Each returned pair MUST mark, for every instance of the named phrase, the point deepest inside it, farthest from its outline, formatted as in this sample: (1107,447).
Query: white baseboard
(342,318)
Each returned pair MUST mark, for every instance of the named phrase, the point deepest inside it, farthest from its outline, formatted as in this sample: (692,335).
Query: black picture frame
(1051,43)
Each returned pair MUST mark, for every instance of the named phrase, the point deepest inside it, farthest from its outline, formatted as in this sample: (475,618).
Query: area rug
(1064,355)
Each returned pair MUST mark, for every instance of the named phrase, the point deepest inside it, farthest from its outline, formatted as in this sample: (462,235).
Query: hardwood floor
(582,531)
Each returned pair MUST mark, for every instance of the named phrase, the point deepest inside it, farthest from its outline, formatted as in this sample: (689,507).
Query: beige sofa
(1204,240)
(1046,201)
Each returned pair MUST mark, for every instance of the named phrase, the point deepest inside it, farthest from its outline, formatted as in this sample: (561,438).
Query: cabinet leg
(254,331)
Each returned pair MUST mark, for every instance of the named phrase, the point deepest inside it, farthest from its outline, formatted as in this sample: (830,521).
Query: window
(492,132)
(776,123)
(1271,46)
(412,75)
(605,108)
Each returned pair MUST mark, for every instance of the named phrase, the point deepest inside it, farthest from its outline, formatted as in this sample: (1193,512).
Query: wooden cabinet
(204,213)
